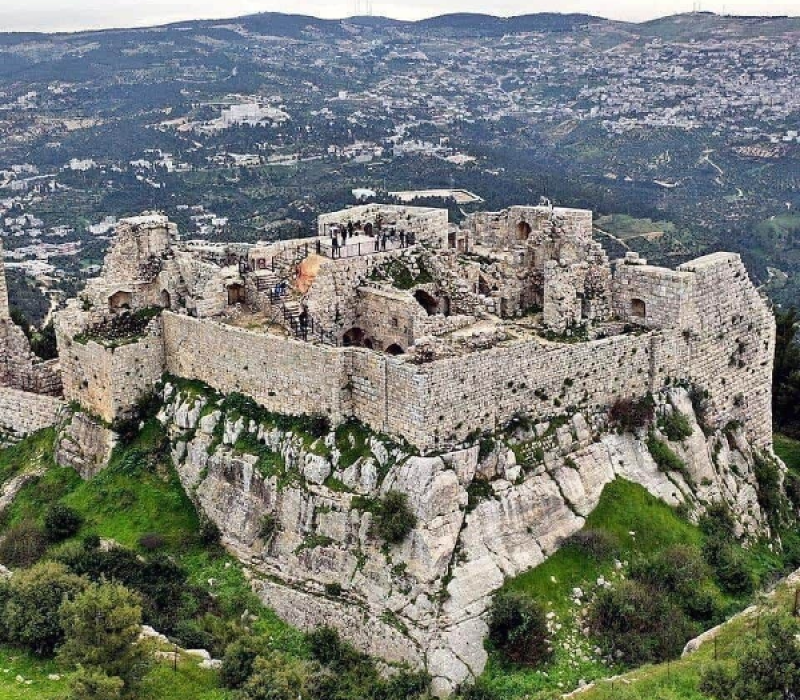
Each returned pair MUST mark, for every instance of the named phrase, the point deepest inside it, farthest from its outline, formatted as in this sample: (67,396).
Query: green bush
(278,677)
(675,425)
(518,628)
(237,663)
(61,522)
(766,667)
(730,565)
(33,600)
(91,684)
(666,460)
(600,545)
(394,519)
(101,629)
(23,545)
(643,624)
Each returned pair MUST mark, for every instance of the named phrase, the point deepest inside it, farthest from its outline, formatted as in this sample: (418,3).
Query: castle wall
(22,412)
(284,375)
(665,294)
(732,344)
(482,391)
(109,381)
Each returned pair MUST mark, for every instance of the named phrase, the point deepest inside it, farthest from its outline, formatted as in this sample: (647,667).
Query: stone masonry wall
(109,381)
(22,413)
(287,376)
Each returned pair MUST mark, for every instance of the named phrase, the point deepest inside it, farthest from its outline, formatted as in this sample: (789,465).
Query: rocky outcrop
(298,511)
(85,444)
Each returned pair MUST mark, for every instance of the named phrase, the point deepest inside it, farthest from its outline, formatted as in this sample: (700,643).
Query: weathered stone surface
(85,445)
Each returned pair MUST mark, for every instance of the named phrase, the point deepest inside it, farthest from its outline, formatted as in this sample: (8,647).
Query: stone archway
(638,308)
(523,231)
(166,299)
(394,349)
(355,338)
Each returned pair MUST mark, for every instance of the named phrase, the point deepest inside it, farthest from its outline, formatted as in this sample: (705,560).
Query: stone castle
(451,332)
(491,351)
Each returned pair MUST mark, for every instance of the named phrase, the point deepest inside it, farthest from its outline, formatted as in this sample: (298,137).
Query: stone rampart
(284,375)
(22,412)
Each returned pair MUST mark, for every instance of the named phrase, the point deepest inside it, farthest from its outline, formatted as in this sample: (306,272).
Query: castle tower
(4,315)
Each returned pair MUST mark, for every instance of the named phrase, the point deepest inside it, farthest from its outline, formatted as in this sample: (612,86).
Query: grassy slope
(624,508)
(123,503)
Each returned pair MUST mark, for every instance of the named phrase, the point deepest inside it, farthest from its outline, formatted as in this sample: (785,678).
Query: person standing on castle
(335,244)
(383,241)
(350,229)
(402,238)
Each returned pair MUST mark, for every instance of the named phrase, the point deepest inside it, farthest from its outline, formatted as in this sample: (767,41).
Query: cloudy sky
(69,15)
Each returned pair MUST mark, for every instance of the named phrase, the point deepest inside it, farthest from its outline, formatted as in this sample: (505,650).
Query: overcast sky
(71,15)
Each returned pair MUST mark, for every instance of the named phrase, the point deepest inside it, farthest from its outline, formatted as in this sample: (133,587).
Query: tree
(33,600)
(786,373)
(518,627)
(101,628)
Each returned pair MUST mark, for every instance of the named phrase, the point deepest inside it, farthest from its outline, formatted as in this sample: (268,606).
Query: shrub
(666,460)
(718,521)
(190,635)
(209,533)
(327,647)
(23,545)
(394,519)
(518,628)
(640,622)
(770,497)
(237,664)
(675,425)
(279,677)
(91,684)
(151,541)
(630,415)
(405,685)
(61,522)
(677,569)
(268,527)
(597,544)
(730,566)
(33,600)
(480,690)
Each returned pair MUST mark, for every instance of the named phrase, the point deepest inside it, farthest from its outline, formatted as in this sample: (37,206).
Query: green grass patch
(788,450)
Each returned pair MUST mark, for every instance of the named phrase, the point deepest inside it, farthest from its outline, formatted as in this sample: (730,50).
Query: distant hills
(674,28)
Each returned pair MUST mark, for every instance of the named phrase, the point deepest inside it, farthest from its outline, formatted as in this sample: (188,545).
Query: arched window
(523,231)
(394,349)
(120,300)
(166,299)
(638,308)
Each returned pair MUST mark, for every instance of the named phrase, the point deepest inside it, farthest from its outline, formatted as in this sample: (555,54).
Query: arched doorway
(368,229)
(638,308)
(427,302)
(120,300)
(523,231)
(235,294)
(355,338)
(166,299)
(394,349)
